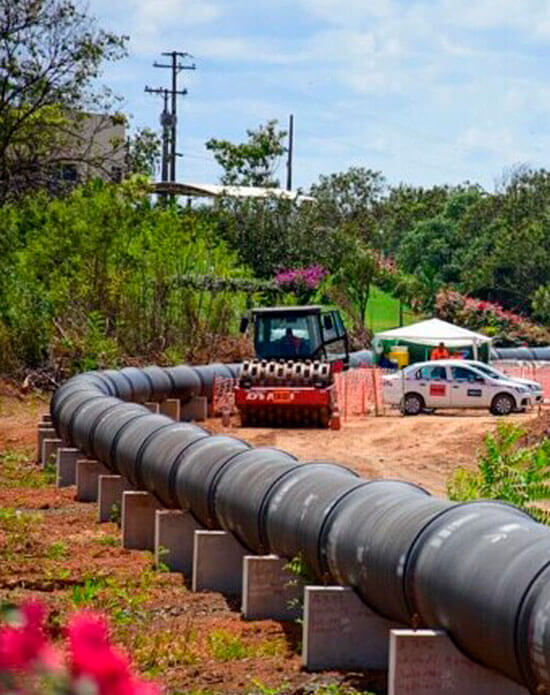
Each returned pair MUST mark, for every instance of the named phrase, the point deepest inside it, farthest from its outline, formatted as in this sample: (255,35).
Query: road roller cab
(291,381)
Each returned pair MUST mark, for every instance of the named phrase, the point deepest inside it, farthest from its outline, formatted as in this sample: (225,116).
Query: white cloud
(154,25)
(524,15)
(350,12)
(489,140)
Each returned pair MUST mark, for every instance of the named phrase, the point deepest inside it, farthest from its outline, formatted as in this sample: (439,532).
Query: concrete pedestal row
(339,631)
(197,409)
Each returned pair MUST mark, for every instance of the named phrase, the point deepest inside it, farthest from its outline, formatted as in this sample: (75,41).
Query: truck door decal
(438,389)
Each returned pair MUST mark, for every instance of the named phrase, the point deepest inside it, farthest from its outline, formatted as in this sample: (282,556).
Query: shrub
(302,282)
(103,275)
(507,471)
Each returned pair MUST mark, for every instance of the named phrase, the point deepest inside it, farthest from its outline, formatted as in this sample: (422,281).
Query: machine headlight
(521,389)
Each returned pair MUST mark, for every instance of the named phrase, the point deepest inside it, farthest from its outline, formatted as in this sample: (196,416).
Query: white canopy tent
(432,332)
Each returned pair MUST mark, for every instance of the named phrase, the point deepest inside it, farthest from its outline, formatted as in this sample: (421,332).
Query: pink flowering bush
(302,282)
(30,664)
(489,317)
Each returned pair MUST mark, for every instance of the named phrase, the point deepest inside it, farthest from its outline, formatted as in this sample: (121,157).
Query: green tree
(541,304)
(507,236)
(52,53)
(353,279)
(349,198)
(250,163)
(433,249)
(143,152)
(273,234)
(403,208)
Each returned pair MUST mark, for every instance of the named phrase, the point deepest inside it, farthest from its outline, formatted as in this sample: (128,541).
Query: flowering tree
(489,317)
(302,282)
(30,664)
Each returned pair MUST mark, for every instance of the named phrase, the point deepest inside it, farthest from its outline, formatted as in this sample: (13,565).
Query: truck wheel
(502,404)
(413,404)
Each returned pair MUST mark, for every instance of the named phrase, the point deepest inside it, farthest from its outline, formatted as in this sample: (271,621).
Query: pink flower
(93,657)
(21,646)
(309,278)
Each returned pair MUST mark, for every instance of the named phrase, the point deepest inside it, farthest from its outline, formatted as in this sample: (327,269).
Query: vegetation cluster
(98,274)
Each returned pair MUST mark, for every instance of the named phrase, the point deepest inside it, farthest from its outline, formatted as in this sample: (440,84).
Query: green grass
(226,647)
(383,311)
(18,470)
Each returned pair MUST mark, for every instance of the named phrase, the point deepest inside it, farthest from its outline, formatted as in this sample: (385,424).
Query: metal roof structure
(306,309)
(214,190)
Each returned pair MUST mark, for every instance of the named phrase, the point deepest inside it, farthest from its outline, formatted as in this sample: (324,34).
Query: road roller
(290,382)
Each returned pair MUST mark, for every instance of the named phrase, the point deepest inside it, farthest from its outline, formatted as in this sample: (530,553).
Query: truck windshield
(284,337)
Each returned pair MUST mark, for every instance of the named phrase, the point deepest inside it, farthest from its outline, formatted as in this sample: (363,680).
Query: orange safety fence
(359,390)
(223,395)
(536,371)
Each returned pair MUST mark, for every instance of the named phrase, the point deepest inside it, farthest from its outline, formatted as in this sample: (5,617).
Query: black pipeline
(480,571)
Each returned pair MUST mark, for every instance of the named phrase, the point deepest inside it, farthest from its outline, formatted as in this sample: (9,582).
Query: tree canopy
(250,163)
(51,52)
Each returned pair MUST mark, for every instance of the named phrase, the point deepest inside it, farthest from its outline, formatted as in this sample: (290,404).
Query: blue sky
(426,92)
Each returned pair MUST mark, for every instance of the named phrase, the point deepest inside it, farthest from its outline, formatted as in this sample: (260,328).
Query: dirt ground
(423,449)
(52,547)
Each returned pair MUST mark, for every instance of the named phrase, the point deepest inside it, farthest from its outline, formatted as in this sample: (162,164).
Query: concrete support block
(194,410)
(269,590)
(426,662)
(138,520)
(49,449)
(43,432)
(341,633)
(153,407)
(65,466)
(109,496)
(171,407)
(174,535)
(87,479)
(217,562)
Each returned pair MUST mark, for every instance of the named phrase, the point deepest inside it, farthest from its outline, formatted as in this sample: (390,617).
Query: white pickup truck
(453,384)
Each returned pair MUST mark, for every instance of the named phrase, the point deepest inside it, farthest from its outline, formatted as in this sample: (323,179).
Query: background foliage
(103,273)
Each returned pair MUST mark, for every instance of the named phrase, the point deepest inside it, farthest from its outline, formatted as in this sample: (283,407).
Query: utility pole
(166,123)
(176,66)
(290,152)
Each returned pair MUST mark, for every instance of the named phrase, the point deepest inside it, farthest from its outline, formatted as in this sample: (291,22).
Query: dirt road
(424,449)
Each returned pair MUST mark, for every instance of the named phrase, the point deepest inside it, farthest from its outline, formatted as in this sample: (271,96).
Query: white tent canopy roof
(433,332)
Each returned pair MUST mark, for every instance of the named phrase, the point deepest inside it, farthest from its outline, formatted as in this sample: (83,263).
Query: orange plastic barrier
(223,398)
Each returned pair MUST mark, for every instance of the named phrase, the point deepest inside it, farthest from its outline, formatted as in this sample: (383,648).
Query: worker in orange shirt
(440,352)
